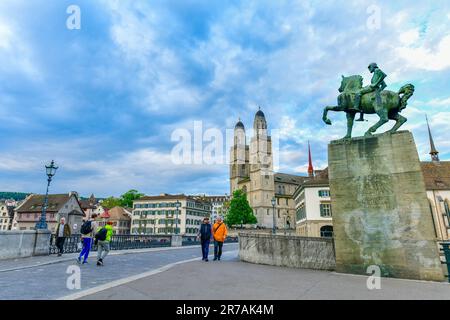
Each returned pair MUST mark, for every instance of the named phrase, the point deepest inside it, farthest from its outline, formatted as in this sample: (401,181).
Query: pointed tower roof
(310,166)
(433,152)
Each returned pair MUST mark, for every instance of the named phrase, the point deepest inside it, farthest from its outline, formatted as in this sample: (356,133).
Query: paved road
(164,274)
(49,281)
(231,279)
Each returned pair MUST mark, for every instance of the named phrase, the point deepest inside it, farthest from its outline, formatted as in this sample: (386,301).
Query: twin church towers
(251,169)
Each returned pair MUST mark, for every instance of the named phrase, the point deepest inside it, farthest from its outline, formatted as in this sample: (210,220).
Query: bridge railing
(445,250)
(118,242)
(192,240)
(128,242)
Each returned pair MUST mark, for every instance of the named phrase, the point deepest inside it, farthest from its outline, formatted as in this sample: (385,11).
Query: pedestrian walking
(87,230)
(62,232)
(103,238)
(219,233)
(205,234)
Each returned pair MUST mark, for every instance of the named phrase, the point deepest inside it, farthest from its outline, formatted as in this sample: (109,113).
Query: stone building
(91,206)
(120,217)
(158,214)
(251,169)
(59,205)
(313,207)
(7,214)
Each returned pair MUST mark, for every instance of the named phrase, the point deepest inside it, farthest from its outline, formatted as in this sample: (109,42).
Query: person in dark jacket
(62,232)
(205,234)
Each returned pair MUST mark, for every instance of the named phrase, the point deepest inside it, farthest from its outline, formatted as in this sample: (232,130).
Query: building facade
(158,214)
(7,214)
(251,170)
(59,205)
(120,218)
(218,205)
(313,207)
(91,206)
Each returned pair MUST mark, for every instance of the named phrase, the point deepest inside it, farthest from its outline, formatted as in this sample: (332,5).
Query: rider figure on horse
(377,85)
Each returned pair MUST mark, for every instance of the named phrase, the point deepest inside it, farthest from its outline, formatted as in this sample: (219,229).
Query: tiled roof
(436,175)
(35,201)
(289,178)
(119,213)
(164,197)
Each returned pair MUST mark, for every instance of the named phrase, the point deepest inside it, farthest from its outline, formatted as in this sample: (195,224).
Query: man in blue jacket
(205,235)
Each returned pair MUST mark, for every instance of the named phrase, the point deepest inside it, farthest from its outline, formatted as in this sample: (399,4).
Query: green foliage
(128,197)
(239,211)
(125,200)
(13,195)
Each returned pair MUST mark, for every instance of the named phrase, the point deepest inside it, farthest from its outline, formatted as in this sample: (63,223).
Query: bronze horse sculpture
(388,106)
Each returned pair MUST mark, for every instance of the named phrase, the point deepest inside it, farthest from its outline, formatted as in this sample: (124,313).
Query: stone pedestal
(381,215)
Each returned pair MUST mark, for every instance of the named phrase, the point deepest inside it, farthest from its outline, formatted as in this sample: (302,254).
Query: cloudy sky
(104,100)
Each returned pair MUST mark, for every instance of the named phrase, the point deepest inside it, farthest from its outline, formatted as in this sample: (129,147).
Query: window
(324,193)
(325,210)
(301,212)
(326,232)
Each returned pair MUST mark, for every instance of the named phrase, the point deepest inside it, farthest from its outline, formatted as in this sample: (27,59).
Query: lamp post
(50,170)
(274,231)
(177,205)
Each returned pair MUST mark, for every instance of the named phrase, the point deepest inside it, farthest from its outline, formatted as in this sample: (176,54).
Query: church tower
(239,157)
(262,187)
(433,152)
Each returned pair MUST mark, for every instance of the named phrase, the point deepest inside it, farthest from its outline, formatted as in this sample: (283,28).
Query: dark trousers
(86,248)
(218,249)
(205,248)
(60,244)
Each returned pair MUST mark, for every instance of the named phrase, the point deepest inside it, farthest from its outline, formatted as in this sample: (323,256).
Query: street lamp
(50,171)
(177,205)
(274,231)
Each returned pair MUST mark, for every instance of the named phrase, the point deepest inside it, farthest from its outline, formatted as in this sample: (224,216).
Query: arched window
(326,232)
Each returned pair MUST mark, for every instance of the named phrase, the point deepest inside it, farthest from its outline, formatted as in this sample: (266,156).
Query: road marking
(123,281)
(112,253)
(126,280)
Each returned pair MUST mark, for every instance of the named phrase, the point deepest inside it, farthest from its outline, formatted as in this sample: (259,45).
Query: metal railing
(192,240)
(446,253)
(118,242)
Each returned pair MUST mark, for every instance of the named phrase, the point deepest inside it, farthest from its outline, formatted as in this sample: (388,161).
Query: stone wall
(287,251)
(381,215)
(20,244)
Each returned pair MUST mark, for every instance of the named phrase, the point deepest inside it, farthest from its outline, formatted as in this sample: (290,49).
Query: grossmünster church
(251,169)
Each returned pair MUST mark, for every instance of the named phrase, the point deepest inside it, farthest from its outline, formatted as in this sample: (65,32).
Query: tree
(111,202)
(127,198)
(240,211)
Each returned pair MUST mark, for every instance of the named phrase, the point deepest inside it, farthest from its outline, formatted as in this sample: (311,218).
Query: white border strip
(123,281)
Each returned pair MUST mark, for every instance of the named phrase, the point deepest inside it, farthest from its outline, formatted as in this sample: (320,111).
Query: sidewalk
(33,262)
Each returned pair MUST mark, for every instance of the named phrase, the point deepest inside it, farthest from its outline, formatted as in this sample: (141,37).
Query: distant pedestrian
(62,232)
(103,237)
(220,234)
(87,230)
(205,234)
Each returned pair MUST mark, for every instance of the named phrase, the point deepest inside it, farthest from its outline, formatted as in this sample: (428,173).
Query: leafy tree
(111,202)
(240,211)
(127,198)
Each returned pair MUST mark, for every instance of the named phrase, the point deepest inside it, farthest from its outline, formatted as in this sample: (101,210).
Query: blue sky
(104,100)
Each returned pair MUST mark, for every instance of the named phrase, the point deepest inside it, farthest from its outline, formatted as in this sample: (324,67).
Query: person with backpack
(219,233)
(87,234)
(103,239)
(205,234)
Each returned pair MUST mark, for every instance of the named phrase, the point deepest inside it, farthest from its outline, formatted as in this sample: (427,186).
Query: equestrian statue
(355,98)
